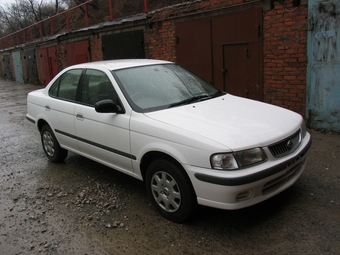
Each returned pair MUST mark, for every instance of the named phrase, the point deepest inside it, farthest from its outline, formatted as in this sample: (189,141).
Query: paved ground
(81,207)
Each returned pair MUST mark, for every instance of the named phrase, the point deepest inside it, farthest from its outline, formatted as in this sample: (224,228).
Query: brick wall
(284,47)
(285,56)
(160,41)
(96,47)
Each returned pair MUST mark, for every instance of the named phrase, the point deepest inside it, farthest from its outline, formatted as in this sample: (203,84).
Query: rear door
(104,137)
(59,109)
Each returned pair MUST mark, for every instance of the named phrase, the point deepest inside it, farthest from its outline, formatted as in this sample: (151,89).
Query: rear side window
(65,87)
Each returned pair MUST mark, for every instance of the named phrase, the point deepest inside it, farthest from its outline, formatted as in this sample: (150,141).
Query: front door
(103,137)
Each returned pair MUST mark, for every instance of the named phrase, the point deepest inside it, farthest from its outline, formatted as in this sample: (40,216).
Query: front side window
(97,87)
(65,87)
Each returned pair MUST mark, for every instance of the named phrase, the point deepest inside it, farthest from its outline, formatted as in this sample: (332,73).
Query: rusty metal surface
(226,50)
(77,52)
(49,63)
(123,45)
(19,75)
(31,66)
(7,66)
(237,53)
(323,76)
(193,47)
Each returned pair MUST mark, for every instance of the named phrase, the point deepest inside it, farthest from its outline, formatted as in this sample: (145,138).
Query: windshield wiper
(190,100)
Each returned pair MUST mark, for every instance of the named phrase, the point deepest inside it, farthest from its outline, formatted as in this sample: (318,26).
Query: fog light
(244,195)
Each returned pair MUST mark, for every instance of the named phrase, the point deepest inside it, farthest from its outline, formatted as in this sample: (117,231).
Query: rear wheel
(169,190)
(51,146)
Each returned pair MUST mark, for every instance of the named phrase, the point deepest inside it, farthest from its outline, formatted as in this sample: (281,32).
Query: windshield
(156,87)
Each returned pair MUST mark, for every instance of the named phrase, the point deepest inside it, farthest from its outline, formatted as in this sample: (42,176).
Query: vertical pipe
(51,25)
(67,22)
(31,33)
(86,16)
(146,6)
(24,36)
(40,30)
(18,39)
(111,10)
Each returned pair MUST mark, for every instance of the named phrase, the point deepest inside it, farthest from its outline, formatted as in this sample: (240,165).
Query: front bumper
(242,188)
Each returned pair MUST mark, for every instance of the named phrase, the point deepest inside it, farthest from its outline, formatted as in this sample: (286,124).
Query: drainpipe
(146,6)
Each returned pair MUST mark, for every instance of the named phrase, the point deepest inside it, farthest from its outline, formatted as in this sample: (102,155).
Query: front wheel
(169,190)
(51,146)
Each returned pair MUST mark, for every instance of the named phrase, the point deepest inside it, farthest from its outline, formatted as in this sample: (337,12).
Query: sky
(4,2)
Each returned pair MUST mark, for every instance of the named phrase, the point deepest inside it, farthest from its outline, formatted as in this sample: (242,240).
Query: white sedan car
(189,142)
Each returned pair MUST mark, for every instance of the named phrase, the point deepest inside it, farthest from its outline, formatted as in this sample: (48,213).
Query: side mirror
(107,106)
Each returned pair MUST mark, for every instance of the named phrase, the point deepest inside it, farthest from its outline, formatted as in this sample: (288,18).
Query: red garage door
(49,63)
(77,52)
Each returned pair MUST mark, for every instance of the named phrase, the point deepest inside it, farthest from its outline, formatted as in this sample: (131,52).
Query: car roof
(120,63)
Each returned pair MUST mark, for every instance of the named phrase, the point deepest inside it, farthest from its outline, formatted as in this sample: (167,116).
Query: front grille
(286,146)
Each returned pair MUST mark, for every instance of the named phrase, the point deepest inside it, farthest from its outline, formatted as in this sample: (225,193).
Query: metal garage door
(31,66)
(19,76)
(237,50)
(123,45)
(7,65)
(229,47)
(49,63)
(323,76)
(194,47)
(77,52)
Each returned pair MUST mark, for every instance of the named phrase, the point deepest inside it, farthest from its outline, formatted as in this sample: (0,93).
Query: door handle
(79,116)
(47,107)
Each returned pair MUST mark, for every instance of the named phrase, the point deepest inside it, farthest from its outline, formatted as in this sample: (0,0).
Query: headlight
(224,161)
(237,160)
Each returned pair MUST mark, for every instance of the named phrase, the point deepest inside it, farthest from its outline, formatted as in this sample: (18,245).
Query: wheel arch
(151,156)
(41,123)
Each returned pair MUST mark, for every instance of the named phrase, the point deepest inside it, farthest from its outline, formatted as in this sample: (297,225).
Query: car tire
(170,191)
(51,146)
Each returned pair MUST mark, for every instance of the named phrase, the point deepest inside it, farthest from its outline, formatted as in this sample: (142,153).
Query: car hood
(234,122)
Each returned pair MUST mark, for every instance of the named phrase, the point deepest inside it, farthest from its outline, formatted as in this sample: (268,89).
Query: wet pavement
(82,207)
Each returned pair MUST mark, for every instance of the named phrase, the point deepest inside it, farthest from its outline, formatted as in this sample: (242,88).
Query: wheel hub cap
(166,191)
